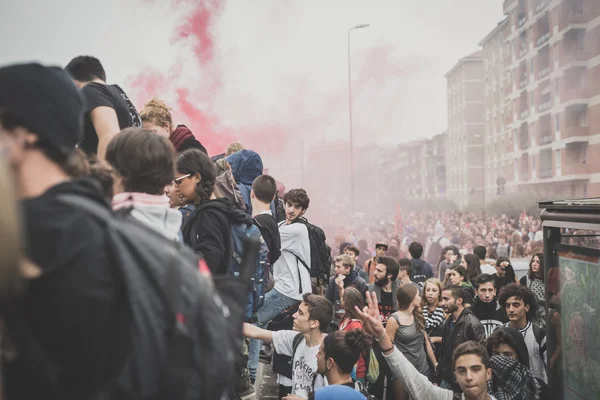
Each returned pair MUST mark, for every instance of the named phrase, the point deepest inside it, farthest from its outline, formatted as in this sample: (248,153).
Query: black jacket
(491,315)
(74,310)
(466,328)
(208,232)
(270,233)
(333,291)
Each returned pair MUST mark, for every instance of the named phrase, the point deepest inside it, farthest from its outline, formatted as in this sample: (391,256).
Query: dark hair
(415,249)
(353,297)
(405,265)
(346,347)
(541,270)
(393,252)
(480,252)
(86,69)
(319,309)
(509,270)
(473,267)
(484,278)
(297,196)
(363,245)
(102,173)
(353,249)
(194,161)
(405,295)
(264,187)
(144,159)
(391,266)
(471,347)
(499,337)
(520,293)
(456,291)
(462,271)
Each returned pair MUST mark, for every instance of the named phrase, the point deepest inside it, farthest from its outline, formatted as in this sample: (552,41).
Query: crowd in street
(136,266)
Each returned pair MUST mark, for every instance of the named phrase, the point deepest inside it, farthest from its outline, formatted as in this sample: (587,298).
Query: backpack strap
(296,342)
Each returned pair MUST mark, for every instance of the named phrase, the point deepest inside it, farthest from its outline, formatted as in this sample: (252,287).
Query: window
(577,6)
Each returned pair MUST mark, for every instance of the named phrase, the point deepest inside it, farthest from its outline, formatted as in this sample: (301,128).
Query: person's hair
(353,297)
(405,295)
(456,291)
(519,292)
(499,337)
(473,267)
(405,265)
(541,270)
(471,347)
(86,69)
(345,259)
(233,148)
(353,249)
(502,235)
(415,249)
(158,113)
(103,174)
(363,245)
(346,347)
(435,282)
(319,309)
(484,278)
(462,271)
(297,196)
(391,266)
(480,251)
(194,161)
(144,159)
(492,253)
(264,187)
(393,252)
(525,238)
(11,245)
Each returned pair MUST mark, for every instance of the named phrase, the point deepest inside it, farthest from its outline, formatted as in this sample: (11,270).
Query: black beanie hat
(46,99)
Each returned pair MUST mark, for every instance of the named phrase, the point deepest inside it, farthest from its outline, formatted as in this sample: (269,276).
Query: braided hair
(194,161)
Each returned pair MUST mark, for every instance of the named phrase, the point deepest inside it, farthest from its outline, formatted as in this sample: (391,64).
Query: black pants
(377,388)
(284,391)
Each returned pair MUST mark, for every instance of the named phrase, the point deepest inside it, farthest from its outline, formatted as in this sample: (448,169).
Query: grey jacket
(373,287)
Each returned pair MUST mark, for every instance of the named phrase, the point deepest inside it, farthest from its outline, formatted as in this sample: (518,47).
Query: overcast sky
(274,62)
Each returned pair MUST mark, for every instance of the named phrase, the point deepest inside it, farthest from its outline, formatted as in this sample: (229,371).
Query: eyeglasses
(177,181)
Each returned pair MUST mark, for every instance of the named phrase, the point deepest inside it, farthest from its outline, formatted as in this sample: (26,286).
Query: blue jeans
(275,303)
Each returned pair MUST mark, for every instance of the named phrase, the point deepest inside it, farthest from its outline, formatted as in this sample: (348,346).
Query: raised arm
(254,332)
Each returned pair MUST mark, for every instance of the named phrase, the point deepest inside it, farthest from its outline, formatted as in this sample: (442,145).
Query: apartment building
(465,155)
(551,85)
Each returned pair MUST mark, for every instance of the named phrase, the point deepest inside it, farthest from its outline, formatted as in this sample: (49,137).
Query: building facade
(552,99)
(465,151)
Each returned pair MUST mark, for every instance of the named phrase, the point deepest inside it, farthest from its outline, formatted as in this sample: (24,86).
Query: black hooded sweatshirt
(75,310)
(208,231)
(270,232)
(491,315)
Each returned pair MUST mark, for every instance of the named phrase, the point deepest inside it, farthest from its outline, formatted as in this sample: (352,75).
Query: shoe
(247,394)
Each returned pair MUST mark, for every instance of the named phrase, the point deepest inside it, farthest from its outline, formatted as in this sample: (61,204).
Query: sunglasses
(177,181)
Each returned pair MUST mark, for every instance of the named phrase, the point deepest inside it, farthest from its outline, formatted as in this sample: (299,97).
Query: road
(266,383)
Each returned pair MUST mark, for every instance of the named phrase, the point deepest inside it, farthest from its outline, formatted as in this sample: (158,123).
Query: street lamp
(350,116)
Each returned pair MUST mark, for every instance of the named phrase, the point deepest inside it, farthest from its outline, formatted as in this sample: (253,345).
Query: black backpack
(320,253)
(186,327)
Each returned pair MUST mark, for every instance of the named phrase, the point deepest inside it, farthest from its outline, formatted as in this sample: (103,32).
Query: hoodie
(420,271)
(183,139)
(333,291)
(74,310)
(208,232)
(151,210)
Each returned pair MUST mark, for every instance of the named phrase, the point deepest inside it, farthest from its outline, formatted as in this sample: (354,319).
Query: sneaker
(247,394)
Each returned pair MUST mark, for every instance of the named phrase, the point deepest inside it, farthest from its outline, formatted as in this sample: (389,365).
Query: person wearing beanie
(107,110)
(73,309)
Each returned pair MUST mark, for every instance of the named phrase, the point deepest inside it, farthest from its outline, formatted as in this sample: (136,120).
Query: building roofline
(502,24)
(473,57)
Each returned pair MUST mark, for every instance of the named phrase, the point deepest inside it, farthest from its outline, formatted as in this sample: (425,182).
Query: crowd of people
(150,270)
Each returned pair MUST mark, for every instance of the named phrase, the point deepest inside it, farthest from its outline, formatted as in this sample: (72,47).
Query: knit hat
(46,100)
(338,392)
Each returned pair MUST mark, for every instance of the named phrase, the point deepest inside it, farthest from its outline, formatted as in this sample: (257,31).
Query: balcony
(576,169)
(522,21)
(573,56)
(542,39)
(545,106)
(523,82)
(545,138)
(568,15)
(525,176)
(545,173)
(522,52)
(575,95)
(540,6)
(544,72)
(574,131)
(524,114)
(507,5)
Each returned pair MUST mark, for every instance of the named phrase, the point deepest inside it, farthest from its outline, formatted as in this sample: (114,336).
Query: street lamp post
(350,116)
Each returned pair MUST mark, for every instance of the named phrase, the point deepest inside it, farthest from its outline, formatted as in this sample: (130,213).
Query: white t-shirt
(288,272)
(488,269)
(304,364)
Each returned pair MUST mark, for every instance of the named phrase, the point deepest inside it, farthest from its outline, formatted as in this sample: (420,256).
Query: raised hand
(370,316)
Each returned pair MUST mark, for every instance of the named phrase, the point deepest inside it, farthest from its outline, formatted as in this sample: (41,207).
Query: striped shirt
(434,320)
